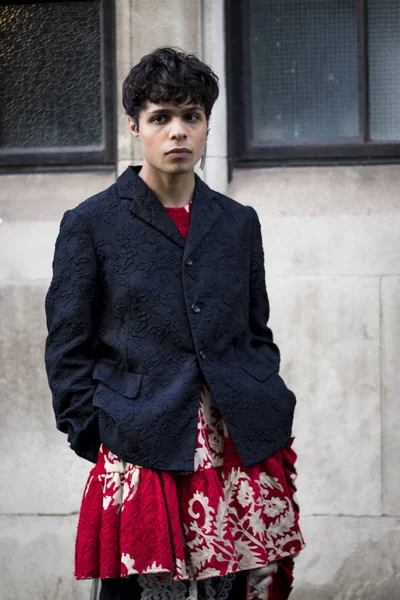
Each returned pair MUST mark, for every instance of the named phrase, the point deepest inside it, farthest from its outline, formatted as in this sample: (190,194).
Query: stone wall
(331,239)
(42,481)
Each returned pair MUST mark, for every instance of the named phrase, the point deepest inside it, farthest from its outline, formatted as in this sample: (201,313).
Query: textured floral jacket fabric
(137,317)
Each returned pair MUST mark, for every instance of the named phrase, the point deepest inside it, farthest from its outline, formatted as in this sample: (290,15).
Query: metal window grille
(313,80)
(57,83)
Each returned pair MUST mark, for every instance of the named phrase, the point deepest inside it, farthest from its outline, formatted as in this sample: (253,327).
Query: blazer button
(195,308)
(202,354)
(189,262)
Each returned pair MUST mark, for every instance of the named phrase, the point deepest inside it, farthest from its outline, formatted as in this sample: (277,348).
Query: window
(57,83)
(310,80)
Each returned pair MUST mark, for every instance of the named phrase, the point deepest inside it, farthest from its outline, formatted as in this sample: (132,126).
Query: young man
(164,371)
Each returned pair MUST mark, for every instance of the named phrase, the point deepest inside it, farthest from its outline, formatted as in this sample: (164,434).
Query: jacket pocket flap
(124,383)
(260,368)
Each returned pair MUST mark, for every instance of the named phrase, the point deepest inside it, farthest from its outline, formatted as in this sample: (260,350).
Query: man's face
(164,129)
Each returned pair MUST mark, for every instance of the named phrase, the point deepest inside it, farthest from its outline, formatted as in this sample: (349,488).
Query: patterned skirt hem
(168,575)
(223,518)
(187,528)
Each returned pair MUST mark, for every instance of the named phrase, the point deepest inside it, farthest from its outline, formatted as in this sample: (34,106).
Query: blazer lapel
(146,205)
(205,213)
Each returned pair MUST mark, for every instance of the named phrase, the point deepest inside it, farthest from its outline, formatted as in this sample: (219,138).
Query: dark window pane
(384,69)
(303,70)
(51,76)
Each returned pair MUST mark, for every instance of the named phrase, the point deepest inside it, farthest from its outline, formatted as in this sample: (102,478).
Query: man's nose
(178,128)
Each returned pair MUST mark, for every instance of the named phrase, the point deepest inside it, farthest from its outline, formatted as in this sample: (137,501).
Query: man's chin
(178,169)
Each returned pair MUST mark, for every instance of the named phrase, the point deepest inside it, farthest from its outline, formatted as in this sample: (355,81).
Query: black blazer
(137,317)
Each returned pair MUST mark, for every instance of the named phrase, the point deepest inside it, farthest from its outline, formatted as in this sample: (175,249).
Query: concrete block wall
(42,481)
(331,241)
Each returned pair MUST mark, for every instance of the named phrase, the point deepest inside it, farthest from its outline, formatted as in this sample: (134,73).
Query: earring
(203,158)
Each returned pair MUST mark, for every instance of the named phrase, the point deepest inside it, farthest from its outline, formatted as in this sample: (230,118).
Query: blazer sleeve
(259,304)
(70,307)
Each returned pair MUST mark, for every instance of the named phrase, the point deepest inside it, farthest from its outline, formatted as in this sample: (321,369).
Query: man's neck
(171,190)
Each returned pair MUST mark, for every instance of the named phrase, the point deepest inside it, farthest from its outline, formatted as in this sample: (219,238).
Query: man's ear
(133,127)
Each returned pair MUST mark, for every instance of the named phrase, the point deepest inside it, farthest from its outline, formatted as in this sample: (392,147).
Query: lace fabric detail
(156,589)
(215,588)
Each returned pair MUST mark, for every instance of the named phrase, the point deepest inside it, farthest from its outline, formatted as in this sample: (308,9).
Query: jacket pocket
(125,383)
(259,368)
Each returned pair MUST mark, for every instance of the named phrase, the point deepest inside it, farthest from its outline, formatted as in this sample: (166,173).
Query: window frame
(242,153)
(44,158)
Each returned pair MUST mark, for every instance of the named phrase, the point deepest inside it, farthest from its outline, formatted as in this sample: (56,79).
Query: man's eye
(159,119)
(192,117)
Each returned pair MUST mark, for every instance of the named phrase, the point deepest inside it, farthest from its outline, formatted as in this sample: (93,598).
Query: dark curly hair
(169,75)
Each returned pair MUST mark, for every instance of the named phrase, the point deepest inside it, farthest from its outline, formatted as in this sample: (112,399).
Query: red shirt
(181,217)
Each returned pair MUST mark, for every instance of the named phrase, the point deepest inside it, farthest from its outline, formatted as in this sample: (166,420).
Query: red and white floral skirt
(220,519)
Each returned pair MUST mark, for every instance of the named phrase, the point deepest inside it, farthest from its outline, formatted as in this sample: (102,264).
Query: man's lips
(179,151)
